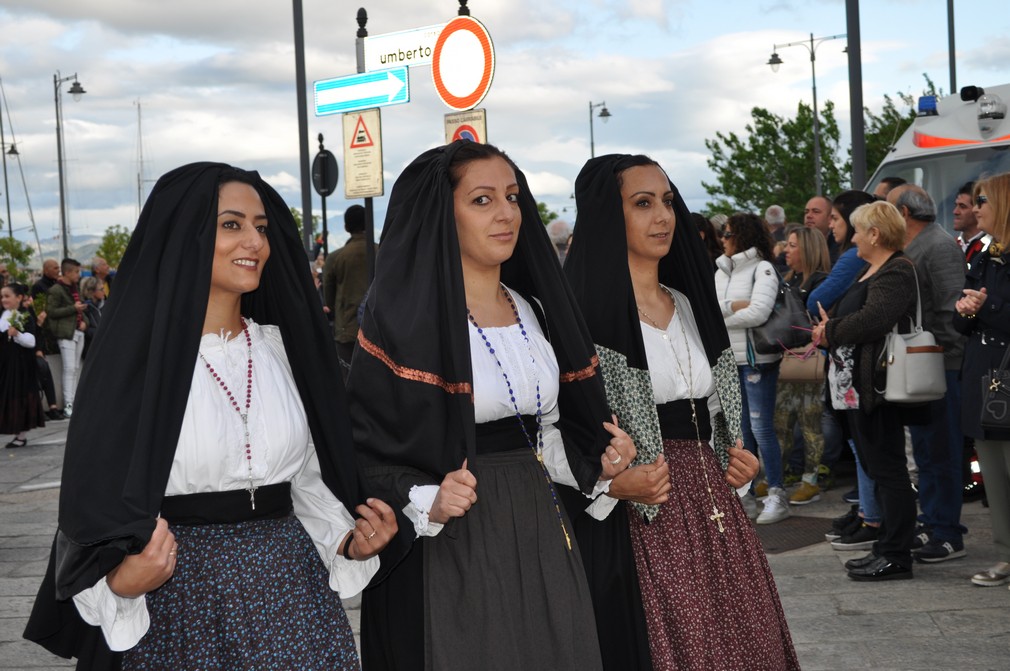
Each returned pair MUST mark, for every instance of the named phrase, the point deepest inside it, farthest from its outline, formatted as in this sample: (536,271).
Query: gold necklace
(717,515)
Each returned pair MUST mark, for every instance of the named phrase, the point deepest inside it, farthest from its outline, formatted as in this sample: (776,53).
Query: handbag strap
(1006,359)
(918,301)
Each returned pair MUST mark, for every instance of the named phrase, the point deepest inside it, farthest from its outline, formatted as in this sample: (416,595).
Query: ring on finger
(617,460)
(371,535)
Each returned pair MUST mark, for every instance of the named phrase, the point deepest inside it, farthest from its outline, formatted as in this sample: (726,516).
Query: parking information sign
(363,154)
(470,125)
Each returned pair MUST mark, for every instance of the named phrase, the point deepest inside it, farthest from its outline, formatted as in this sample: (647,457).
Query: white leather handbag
(914,362)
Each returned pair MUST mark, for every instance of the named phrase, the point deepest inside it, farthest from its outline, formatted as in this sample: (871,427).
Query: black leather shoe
(862,562)
(880,569)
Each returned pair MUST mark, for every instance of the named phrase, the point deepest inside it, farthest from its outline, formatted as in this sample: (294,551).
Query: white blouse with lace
(210,457)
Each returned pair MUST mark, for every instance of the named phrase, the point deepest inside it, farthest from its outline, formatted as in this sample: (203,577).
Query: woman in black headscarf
(644,283)
(473,389)
(204,511)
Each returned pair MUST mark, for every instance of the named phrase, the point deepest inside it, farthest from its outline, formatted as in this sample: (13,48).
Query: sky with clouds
(216,81)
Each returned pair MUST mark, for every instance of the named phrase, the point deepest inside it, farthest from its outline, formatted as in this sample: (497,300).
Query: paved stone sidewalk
(936,621)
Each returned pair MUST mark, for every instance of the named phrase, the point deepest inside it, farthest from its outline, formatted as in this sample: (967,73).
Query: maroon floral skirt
(709,597)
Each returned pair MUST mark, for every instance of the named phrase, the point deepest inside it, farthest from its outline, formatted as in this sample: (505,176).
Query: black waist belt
(230,507)
(675,420)
(504,434)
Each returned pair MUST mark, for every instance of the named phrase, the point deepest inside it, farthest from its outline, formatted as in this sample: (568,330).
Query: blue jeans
(757,418)
(937,448)
(868,505)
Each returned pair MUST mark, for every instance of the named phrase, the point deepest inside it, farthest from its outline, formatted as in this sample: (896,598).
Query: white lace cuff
(422,498)
(124,621)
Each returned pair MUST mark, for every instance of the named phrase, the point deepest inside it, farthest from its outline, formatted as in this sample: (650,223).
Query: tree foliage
(546,215)
(113,246)
(16,255)
(773,163)
(297,214)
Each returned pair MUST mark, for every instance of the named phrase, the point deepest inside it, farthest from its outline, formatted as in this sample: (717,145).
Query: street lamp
(811,46)
(76,90)
(604,114)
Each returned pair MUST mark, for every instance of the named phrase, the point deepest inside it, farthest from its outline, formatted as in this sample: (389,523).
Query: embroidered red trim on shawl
(412,373)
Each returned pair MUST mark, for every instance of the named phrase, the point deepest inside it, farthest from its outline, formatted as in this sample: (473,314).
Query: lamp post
(604,114)
(76,90)
(811,46)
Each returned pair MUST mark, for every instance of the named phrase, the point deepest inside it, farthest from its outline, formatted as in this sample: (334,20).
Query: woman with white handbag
(855,333)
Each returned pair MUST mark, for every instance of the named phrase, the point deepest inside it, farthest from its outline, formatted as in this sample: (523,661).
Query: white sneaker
(69,409)
(776,507)
(750,505)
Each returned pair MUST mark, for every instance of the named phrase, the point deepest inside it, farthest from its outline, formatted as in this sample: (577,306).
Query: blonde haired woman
(883,295)
(801,401)
(987,288)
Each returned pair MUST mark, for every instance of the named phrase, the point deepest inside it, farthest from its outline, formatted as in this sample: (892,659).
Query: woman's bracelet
(347,547)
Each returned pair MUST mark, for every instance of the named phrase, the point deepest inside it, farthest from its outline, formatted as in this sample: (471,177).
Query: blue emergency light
(927,106)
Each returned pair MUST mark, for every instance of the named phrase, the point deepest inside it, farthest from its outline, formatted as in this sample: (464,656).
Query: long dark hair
(708,234)
(846,202)
(750,231)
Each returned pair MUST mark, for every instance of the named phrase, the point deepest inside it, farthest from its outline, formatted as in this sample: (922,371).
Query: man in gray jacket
(937,446)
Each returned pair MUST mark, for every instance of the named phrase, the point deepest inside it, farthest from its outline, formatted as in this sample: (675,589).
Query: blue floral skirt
(252,595)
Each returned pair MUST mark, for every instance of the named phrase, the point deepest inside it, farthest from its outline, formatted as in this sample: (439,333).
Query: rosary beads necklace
(243,413)
(717,514)
(537,448)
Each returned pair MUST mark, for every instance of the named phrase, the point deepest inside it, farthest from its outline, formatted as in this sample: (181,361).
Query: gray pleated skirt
(502,589)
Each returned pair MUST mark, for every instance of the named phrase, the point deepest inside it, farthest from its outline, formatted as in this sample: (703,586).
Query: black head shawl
(410,384)
(597,269)
(135,385)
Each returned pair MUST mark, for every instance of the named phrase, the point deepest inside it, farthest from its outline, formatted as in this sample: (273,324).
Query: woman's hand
(648,483)
(819,334)
(12,332)
(619,453)
(456,494)
(743,466)
(40,318)
(139,574)
(736,306)
(373,530)
(971,302)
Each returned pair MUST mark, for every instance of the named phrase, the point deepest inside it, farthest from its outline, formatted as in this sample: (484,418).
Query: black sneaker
(921,537)
(937,551)
(853,527)
(851,497)
(862,538)
(846,520)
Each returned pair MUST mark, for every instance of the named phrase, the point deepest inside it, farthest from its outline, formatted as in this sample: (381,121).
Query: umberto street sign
(406,47)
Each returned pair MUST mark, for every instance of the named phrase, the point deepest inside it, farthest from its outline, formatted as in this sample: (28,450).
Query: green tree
(297,214)
(114,242)
(16,255)
(546,215)
(773,162)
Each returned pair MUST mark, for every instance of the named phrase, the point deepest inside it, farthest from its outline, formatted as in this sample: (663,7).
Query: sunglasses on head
(981,200)
(727,234)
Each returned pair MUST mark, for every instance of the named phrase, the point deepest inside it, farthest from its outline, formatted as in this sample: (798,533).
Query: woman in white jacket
(747,284)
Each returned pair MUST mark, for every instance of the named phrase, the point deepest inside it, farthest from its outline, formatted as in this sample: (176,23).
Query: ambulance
(953,140)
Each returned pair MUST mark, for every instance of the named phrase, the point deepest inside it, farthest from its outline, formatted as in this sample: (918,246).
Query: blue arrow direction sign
(362,91)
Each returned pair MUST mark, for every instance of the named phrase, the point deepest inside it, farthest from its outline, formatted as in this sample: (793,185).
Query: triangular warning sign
(361,136)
